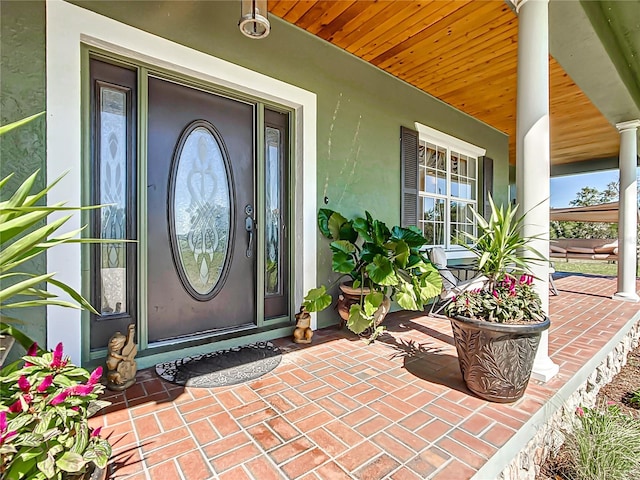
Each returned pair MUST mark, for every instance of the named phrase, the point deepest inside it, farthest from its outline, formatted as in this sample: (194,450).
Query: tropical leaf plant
(45,400)
(26,233)
(388,262)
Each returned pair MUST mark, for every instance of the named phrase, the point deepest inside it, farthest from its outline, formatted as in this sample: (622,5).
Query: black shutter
(409,177)
(487,184)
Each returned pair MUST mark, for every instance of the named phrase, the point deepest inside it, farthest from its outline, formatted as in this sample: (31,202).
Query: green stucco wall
(22,93)
(360,108)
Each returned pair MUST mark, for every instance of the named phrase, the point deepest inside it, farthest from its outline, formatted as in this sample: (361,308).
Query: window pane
(113,188)
(432,219)
(273,273)
(462,220)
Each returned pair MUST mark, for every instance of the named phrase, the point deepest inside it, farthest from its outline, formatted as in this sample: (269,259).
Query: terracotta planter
(496,358)
(351,296)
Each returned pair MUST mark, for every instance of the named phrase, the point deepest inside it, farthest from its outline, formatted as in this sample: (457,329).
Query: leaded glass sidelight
(273,240)
(113,194)
(200,210)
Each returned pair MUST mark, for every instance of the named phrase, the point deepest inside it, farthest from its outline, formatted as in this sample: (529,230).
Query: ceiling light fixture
(253,19)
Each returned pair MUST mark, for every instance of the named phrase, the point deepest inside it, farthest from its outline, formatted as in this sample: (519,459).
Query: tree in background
(585,197)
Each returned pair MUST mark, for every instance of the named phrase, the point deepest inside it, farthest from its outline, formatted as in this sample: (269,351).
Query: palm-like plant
(500,246)
(24,235)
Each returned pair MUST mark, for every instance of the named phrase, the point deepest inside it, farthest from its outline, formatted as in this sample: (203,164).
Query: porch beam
(533,151)
(628,212)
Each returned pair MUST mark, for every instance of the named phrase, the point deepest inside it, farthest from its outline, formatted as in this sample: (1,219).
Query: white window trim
(431,135)
(460,146)
(68,26)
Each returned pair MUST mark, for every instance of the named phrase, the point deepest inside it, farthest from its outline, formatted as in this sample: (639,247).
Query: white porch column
(628,212)
(532,150)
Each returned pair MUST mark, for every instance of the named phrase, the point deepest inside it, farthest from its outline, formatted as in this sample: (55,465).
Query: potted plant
(45,403)
(44,430)
(381,264)
(497,328)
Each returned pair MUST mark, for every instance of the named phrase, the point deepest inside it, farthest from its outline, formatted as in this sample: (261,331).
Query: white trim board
(67,27)
(460,146)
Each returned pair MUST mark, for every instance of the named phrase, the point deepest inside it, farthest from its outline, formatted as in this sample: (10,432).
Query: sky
(564,189)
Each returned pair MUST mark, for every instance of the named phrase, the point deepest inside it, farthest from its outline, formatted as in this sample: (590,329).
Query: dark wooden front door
(200,192)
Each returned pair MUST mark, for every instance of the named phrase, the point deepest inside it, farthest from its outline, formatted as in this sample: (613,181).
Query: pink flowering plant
(511,300)
(44,411)
(504,257)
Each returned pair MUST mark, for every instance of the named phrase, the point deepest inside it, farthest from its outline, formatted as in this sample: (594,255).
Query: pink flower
(4,435)
(58,362)
(46,383)
(80,390)
(95,376)
(580,412)
(16,407)
(24,384)
(21,404)
(610,403)
(58,399)
(495,294)
(96,432)
(32,352)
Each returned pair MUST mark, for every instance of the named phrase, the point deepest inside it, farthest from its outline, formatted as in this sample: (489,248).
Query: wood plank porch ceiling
(463,52)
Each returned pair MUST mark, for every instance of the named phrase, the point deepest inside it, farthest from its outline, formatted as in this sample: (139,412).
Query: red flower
(21,404)
(46,383)
(95,376)
(32,352)
(58,362)
(96,432)
(58,399)
(4,435)
(24,384)
(80,390)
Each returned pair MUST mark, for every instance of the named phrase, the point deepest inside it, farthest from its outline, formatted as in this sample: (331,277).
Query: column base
(544,369)
(626,297)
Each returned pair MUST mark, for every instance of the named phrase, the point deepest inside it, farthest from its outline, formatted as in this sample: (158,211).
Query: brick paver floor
(341,409)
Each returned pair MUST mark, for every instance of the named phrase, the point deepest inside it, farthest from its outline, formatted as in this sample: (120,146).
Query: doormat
(225,367)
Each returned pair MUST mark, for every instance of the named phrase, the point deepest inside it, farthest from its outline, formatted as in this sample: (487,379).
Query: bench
(584,249)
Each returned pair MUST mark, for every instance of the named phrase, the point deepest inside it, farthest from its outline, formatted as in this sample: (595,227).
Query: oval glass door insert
(200,216)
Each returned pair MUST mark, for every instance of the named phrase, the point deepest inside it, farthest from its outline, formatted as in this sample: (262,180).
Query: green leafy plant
(504,257)
(635,399)
(386,262)
(44,432)
(45,403)
(24,235)
(510,301)
(604,444)
(500,246)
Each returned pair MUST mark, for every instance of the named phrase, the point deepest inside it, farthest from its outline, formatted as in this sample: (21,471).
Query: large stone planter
(496,358)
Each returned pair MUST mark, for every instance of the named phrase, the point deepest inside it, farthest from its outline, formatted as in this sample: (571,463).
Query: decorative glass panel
(273,182)
(201,211)
(113,188)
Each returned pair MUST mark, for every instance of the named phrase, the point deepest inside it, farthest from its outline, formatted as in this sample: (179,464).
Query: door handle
(249,227)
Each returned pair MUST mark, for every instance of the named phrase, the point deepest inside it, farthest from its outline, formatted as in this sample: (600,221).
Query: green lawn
(585,266)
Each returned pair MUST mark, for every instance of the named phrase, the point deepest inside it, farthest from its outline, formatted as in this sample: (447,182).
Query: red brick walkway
(340,409)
